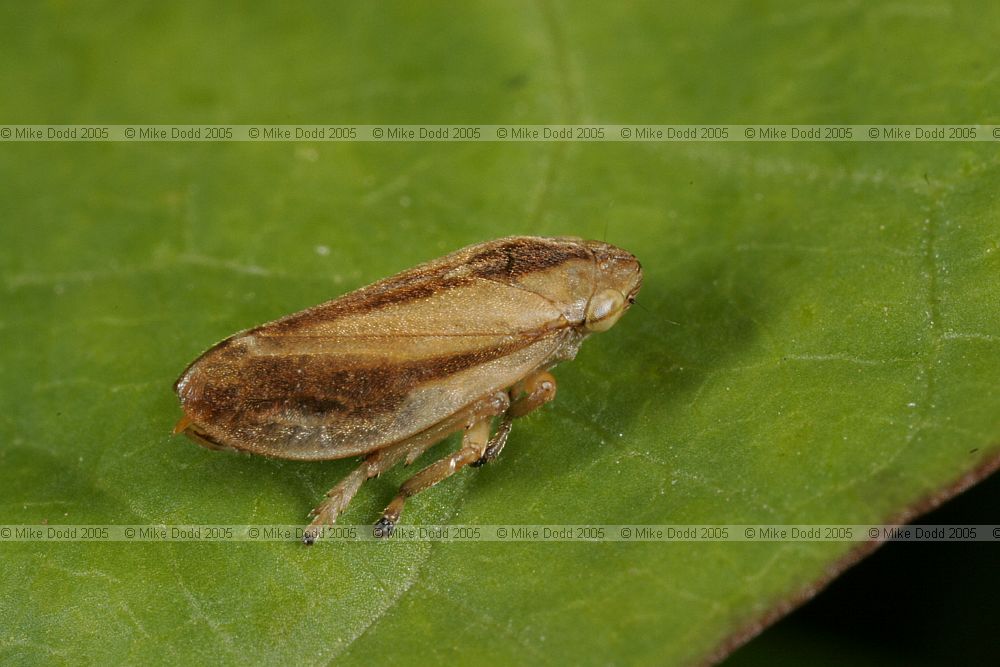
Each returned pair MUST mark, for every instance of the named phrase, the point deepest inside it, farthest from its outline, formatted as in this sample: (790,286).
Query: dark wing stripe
(335,386)
(518,257)
(503,262)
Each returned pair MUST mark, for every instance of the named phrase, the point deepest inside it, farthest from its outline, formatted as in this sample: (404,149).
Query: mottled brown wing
(388,361)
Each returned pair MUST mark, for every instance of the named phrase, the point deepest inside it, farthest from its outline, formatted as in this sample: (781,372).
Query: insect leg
(379,461)
(335,502)
(532,393)
(528,395)
(373,465)
(474,442)
(496,443)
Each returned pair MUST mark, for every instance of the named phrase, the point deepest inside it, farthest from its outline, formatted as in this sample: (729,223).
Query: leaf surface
(818,338)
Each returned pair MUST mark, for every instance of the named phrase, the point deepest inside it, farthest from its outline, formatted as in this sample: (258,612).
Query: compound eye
(604,309)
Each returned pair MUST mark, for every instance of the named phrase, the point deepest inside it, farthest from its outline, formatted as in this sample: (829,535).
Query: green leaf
(818,337)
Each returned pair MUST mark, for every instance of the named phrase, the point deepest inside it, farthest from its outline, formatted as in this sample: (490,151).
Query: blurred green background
(818,340)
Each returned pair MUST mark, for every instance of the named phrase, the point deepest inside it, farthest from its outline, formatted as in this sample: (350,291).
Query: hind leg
(373,465)
(474,444)
(379,461)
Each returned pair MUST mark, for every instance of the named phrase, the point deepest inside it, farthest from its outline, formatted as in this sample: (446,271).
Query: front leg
(527,395)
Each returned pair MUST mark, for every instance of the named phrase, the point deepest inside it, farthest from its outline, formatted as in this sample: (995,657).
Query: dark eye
(631,299)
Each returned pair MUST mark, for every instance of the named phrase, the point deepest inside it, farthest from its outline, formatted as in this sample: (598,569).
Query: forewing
(373,367)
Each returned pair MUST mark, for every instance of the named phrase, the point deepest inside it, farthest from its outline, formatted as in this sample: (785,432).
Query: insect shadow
(717,309)
(689,322)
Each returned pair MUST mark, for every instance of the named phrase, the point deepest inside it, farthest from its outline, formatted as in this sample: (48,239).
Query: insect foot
(496,443)
(383,528)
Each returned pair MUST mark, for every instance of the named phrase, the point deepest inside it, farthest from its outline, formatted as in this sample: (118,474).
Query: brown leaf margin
(989,464)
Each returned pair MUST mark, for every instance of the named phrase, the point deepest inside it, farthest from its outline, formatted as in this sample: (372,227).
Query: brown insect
(391,369)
